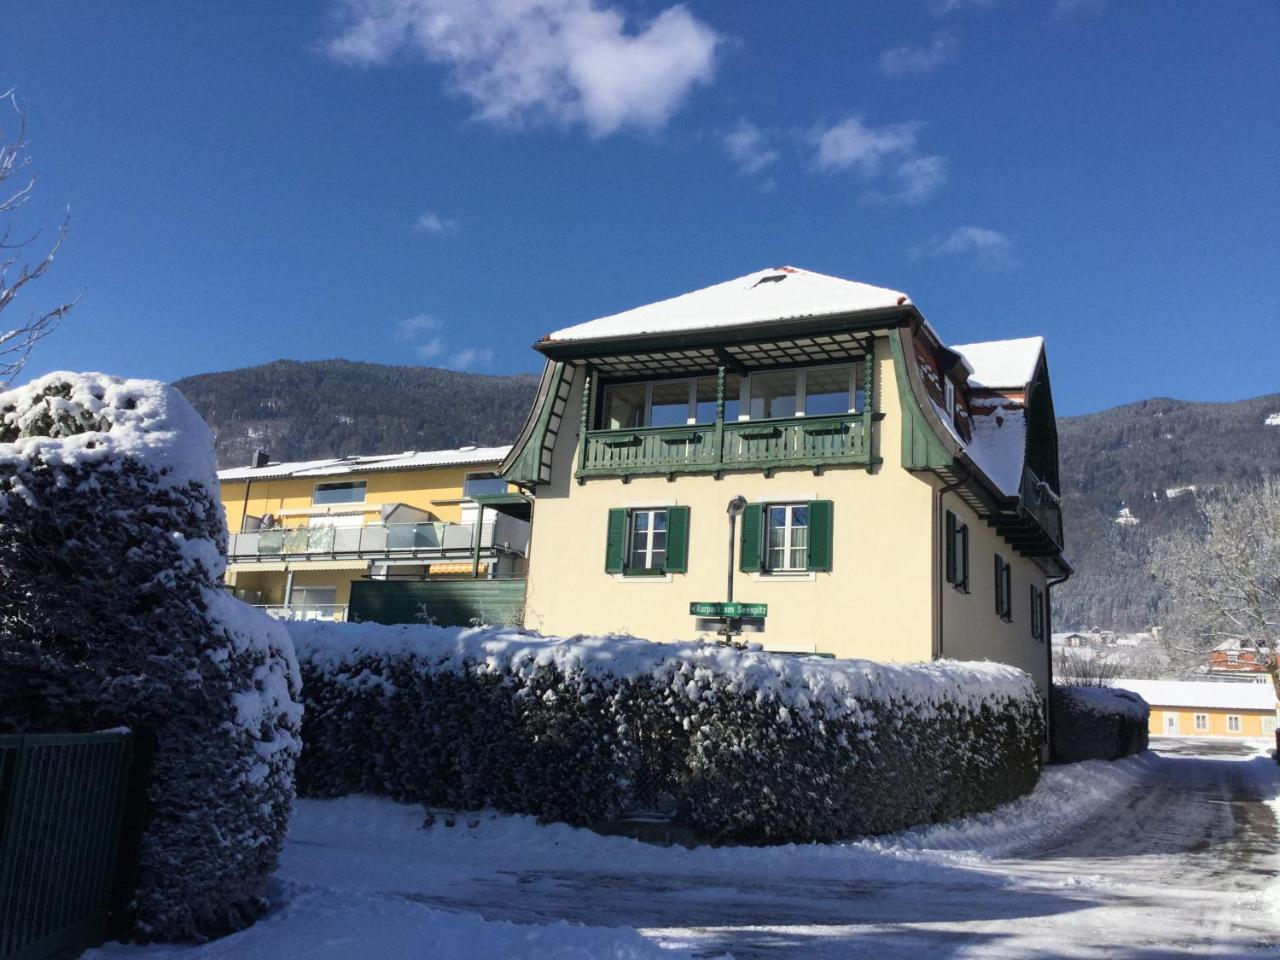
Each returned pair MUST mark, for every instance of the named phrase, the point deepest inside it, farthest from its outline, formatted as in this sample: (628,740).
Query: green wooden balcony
(739,445)
(1039,502)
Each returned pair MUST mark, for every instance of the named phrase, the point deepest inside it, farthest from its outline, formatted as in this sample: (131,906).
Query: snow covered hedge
(112,541)
(1096,723)
(739,745)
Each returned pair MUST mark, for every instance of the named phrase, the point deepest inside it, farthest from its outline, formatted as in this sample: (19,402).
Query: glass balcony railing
(433,540)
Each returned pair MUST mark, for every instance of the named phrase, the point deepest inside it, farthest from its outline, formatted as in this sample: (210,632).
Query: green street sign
(714,609)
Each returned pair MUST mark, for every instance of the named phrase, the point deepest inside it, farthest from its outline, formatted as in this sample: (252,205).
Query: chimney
(260,459)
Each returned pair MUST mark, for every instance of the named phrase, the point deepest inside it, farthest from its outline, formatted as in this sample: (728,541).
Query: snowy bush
(112,542)
(1096,723)
(739,745)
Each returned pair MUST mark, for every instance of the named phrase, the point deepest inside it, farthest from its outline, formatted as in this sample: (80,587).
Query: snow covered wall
(112,542)
(742,746)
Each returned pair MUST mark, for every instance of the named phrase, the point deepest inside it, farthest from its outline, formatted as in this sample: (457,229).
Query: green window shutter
(615,549)
(749,553)
(999,581)
(964,557)
(953,573)
(677,539)
(821,516)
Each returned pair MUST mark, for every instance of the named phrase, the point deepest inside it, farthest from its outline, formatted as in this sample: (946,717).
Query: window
(786,537)
(1233,724)
(1037,613)
(1004,593)
(326,494)
(949,392)
(647,541)
(475,483)
(647,545)
(957,553)
(668,403)
(1269,726)
(1202,721)
(1233,656)
(774,394)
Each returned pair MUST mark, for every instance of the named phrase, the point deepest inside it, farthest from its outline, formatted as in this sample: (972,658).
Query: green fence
(446,603)
(62,799)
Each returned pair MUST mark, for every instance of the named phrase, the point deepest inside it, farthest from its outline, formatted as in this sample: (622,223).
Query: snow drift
(112,543)
(739,745)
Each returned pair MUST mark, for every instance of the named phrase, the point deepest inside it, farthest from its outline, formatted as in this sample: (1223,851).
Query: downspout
(938,561)
(1048,651)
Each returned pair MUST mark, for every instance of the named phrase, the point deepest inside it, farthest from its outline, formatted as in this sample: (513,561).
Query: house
(1230,658)
(899,497)
(1207,708)
(378,534)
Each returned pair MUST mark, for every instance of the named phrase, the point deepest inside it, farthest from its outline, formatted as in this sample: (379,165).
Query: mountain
(330,408)
(1130,475)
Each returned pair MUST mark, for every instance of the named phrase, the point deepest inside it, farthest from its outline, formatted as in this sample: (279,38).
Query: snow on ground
(1167,854)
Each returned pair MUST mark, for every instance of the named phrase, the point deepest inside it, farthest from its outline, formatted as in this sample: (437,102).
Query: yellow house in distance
(1208,708)
(311,539)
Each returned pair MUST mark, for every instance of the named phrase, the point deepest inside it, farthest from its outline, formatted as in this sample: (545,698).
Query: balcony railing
(736,445)
(1038,500)
(306,611)
(433,540)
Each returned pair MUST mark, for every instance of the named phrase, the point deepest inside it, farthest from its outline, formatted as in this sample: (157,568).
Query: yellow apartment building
(305,537)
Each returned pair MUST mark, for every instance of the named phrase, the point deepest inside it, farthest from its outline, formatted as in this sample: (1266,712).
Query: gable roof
(1002,363)
(409,460)
(778,293)
(1221,694)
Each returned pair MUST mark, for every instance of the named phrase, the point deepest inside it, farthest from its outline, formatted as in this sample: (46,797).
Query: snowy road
(1170,854)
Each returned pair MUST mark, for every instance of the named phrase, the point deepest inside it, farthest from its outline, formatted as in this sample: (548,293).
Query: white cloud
(521,61)
(411,328)
(904,61)
(991,248)
(888,158)
(748,146)
(943,7)
(434,224)
(471,357)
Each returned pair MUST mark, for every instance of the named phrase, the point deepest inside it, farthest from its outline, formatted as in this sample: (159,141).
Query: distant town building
(1206,708)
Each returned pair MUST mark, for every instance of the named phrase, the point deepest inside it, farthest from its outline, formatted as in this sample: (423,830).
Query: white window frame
(1200,721)
(1269,726)
(789,528)
(949,393)
(1233,723)
(315,488)
(632,513)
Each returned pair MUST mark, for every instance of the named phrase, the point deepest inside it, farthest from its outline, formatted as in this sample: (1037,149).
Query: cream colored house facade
(1238,709)
(900,496)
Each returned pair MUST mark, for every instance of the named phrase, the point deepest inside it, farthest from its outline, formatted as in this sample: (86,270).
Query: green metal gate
(62,799)
(446,603)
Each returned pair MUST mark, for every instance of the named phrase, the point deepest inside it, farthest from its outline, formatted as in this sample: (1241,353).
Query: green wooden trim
(718,448)
(821,535)
(615,544)
(921,447)
(584,422)
(524,464)
(677,540)
(751,539)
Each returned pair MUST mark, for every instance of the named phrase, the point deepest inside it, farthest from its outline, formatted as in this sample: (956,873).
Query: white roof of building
(1002,363)
(1203,693)
(777,293)
(409,460)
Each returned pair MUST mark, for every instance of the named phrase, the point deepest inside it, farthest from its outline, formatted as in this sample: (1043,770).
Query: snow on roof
(778,293)
(999,447)
(1002,363)
(1203,693)
(408,460)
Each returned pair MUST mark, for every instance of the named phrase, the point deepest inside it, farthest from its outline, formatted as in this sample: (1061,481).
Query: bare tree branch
(17,342)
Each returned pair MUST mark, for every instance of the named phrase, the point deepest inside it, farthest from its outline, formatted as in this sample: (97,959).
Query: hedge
(740,746)
(1096,723)
(112,546)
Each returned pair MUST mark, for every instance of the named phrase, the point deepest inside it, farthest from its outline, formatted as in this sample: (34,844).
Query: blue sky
(443,182)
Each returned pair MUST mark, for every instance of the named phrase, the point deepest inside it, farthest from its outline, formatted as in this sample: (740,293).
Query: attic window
(772,278)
